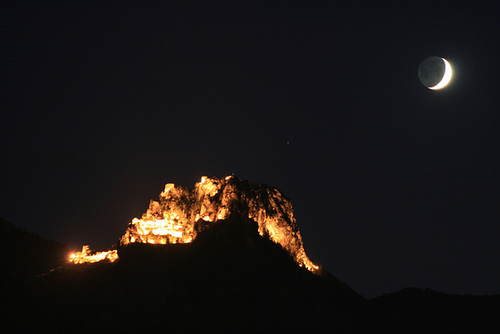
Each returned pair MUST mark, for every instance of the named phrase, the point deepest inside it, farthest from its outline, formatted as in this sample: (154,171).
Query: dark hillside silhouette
(229,279)
(24,255)
(414,310)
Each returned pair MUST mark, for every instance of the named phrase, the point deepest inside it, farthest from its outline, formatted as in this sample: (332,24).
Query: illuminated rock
(180,214)
(87,256)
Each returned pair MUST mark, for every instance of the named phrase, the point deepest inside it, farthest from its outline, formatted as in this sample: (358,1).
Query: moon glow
(435,73)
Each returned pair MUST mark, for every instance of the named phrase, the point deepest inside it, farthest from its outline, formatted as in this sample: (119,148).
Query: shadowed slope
(414,310)
(229,278)
(24,255)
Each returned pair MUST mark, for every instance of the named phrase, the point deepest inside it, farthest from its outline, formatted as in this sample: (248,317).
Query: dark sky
(393,185)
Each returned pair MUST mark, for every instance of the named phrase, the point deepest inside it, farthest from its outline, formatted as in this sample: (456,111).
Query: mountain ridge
(94,296)
(228,276)
(180,213)
(226,256)
(24,255)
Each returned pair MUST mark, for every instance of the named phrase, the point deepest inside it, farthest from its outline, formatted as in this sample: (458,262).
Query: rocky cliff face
(180,214)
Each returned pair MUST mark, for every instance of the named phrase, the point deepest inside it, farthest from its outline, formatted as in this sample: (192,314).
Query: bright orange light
(175,216)
(172,218)
(86,256)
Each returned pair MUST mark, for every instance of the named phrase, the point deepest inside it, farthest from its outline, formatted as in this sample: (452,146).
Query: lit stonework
(173,218)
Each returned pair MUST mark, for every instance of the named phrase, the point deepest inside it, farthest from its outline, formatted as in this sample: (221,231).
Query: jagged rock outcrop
(180,214)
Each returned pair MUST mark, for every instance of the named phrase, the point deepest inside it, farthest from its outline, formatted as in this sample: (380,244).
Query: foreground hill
(229,278)
(23,255)
(414,310)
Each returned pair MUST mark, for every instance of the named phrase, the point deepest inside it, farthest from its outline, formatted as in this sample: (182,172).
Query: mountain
(180,214)
(23,255)
(229,279)
(413,310)
(225,256)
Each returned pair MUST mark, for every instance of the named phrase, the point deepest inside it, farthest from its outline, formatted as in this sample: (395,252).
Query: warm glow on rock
(180,214)
(86,256)
(175,217)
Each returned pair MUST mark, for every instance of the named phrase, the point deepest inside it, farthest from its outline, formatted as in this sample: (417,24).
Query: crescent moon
(446,77)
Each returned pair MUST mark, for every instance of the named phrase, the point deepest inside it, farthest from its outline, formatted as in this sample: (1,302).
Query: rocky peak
(180,214)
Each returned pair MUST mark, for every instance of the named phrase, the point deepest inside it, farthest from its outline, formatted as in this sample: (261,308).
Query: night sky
(393,185)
